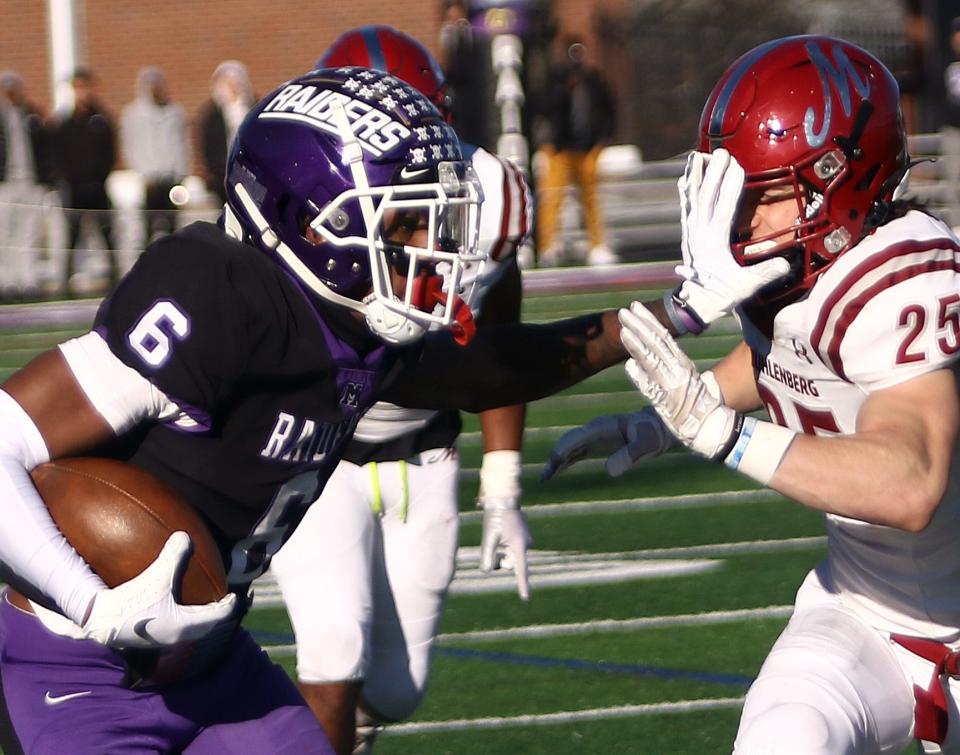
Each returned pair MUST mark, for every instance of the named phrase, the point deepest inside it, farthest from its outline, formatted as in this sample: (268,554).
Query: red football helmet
(822,115)
(384,48)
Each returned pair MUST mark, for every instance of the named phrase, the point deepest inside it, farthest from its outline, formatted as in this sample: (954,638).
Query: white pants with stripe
(365,575)
(834,685)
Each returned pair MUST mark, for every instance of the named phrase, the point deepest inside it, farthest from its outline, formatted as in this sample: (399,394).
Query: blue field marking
(631,669)
(521,659)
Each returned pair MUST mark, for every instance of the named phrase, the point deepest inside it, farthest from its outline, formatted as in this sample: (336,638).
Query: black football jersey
(269,392)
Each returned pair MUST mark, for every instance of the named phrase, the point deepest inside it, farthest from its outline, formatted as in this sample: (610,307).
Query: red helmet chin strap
(428,291)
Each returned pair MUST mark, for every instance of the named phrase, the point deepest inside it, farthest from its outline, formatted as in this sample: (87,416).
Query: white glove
(505,537)
(710,191)
(670,381)
(625,439)
(142,612)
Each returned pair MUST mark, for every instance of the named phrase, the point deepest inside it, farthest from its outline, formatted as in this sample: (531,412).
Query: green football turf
(590,670)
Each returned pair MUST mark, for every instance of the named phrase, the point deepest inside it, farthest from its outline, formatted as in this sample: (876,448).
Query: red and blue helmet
(384,48)
(318,166)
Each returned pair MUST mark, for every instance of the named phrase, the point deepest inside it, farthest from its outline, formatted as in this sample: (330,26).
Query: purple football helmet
(319,171)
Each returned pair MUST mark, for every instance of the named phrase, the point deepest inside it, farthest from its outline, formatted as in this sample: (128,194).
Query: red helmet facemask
(821,116)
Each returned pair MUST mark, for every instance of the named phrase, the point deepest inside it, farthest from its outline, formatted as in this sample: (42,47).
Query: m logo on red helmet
(839,76)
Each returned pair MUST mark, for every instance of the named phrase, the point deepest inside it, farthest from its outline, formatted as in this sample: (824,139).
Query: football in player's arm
(852,353)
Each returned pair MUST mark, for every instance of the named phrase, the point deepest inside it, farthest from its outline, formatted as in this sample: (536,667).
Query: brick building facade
(276,39)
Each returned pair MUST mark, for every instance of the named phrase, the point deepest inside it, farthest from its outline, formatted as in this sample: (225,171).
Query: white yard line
(548,719)
(592,627)
(470,554)
(619,625)
(547,431)
(564,568)
(722,498)
(535,468)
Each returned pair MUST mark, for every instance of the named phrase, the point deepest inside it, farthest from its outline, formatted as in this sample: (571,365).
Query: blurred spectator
(231,96)
(154,143)
(578,122)
(950,133)
(465,60)
(915,89)
(85,154)
(26,168)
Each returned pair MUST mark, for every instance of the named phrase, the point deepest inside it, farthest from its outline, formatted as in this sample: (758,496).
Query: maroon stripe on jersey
(856,305)
(523,200)
(505,213)
(864,268)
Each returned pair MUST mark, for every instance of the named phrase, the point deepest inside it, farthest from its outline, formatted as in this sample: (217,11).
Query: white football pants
(833,685)
(365,574)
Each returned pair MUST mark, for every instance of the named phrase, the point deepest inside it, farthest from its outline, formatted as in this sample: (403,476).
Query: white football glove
(625,439)
(505,537)
(710,191)
(670,381)
(142,612)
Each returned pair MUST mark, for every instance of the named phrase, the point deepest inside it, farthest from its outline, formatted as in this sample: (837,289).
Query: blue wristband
(735,456)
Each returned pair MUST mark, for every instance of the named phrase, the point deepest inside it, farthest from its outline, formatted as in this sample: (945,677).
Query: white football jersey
(888,310)
(505,222)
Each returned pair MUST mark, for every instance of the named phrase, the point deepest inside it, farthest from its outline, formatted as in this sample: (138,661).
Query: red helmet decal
(822,115)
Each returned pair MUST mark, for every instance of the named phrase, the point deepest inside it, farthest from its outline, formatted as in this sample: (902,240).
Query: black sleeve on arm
(508,364)
(503,301)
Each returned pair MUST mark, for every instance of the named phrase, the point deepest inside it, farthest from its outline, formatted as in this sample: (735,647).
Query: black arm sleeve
(503,301)
(507,364)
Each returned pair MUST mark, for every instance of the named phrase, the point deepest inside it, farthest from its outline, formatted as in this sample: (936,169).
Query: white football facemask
(451,208)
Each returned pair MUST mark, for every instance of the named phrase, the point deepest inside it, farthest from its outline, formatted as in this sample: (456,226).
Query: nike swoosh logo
(140,629)
(56,700)
(407,173)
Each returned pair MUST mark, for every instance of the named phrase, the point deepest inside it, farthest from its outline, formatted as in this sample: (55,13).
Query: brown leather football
(118,516)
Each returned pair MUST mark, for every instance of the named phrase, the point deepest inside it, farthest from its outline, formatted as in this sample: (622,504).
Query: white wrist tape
(500,479)
(759,449)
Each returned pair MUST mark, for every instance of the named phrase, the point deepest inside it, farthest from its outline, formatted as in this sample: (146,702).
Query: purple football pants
(61,695)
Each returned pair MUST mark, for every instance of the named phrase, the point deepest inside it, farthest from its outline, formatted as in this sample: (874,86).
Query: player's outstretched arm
(892,471)
(508,364)
(627,439)
(692,405)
